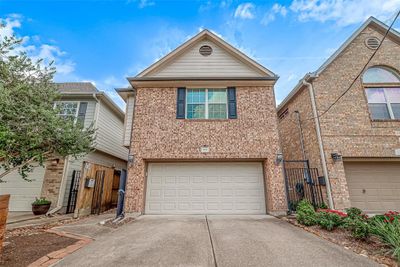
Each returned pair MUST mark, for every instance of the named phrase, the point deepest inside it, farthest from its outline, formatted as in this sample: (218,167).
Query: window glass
(393,95)
(196,111)
(380,75)
(206,104)
(379,111)
(376,95)
(217,96)
(396,110)
(67,109)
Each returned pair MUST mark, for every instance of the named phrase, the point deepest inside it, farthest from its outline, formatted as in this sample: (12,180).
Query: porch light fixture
(336,157)
(279,158)
(131,158)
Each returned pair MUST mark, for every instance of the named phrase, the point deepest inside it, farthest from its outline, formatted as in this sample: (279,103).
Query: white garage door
(22,193)
(205,188)
(374,186)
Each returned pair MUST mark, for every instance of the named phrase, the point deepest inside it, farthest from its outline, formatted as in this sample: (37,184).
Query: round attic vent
(205,50)
(372,42)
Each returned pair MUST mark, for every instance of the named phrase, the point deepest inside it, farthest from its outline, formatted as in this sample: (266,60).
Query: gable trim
(224,45)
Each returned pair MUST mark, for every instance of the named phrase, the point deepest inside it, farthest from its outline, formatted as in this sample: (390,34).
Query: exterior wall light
(336,157)
(279,158)
(131,158)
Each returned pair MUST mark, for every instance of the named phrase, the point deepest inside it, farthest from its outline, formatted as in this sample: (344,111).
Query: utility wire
(359,74)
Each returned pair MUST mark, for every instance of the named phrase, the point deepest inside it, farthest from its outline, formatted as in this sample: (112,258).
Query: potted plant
(41,206)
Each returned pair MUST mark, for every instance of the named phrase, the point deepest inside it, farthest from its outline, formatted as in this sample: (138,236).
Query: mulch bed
(372,247)
(25,245)
(21,250)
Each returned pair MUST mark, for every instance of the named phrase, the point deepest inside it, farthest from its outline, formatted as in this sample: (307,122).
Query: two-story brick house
(355,143)
(201,126)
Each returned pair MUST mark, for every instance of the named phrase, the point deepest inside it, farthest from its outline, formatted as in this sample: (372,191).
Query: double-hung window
(67,109)
(206,103)
(384,103)
(382,87)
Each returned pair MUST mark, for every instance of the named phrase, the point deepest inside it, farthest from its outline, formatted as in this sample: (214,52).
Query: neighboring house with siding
(92,107)
(201,126)
(356,144)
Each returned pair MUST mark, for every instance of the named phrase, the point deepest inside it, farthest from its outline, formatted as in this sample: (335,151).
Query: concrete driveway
(217,241)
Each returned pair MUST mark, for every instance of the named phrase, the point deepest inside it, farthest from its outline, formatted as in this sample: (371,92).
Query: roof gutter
(307,81)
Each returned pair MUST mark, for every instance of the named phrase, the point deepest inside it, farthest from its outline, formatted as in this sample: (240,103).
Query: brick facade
(347,128)
(158,135)
(52,180)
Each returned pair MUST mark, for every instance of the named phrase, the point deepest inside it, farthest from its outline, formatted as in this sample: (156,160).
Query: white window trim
(206,104)
(388,102)
(70,101)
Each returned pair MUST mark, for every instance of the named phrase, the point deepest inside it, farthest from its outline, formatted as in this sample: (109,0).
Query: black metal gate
(73,192)
(302,182)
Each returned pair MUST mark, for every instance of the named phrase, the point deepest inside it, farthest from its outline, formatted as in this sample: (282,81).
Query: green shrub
(354,212)
(305,213)
(328,220)
(357,223)
(323,206)
(41,201)
(359,228)
(388,232)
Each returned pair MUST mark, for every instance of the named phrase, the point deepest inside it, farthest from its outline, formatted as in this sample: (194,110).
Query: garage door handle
(364,191)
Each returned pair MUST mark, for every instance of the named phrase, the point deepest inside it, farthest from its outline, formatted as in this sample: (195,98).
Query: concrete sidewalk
(218,241)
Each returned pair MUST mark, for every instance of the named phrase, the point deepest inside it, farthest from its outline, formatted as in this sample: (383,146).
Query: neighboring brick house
(84,102)
(363,127)
(201,126)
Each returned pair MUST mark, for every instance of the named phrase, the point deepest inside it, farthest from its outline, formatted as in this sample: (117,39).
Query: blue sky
(106,41)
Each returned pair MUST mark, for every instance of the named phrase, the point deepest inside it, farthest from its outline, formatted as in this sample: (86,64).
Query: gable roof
(205,34)
(76,87)
(371,21)
(87,89)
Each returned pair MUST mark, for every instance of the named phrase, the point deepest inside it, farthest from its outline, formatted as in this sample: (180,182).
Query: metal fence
(302,182)
(73,192)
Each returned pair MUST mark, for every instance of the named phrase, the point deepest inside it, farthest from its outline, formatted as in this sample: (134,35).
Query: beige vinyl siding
(22,193)
(90,113)
(110,130)
(97,157)
(128,120)
(219,64)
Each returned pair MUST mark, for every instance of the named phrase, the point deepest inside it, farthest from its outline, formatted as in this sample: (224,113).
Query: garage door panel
(205,188)
(373,186)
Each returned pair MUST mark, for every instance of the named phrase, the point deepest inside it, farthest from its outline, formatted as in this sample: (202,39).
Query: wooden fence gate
(95,189)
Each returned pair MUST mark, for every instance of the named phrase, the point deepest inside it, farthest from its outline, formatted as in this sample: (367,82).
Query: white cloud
(344,12)
(271,14)
(35,50)
(145,3)
(245,11)
(141,3)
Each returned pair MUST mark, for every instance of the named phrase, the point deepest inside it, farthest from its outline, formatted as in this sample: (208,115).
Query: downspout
(319,137)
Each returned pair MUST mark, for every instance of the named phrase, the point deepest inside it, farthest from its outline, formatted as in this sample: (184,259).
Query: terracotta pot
(4,200)
(40,209)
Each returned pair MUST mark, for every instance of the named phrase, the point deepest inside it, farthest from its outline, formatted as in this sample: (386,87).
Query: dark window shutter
(181,103)
(232,113)
(82,112)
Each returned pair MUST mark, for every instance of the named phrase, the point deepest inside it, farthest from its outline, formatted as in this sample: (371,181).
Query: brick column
(135,185)
(275,188)
(52,180)
(339,188)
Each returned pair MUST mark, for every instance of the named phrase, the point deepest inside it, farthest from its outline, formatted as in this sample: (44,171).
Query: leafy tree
(31,130)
